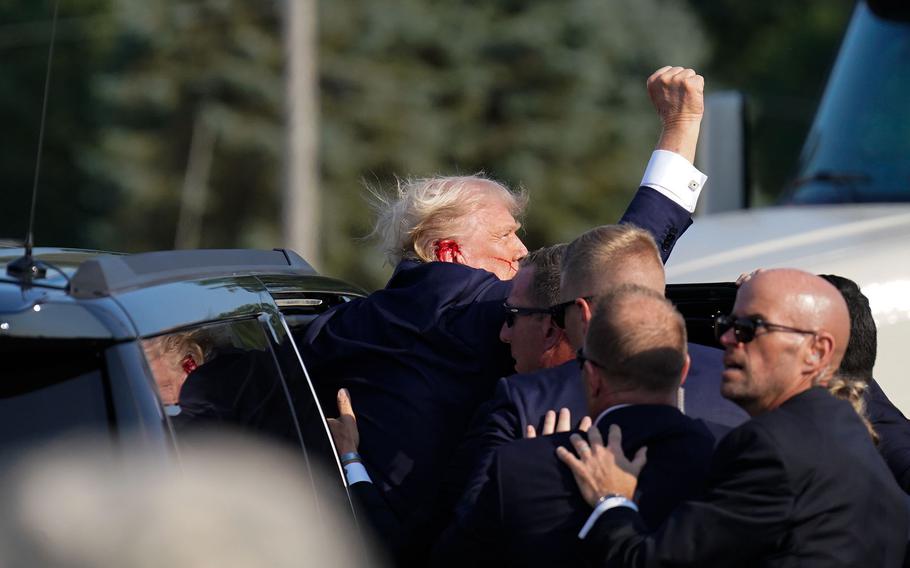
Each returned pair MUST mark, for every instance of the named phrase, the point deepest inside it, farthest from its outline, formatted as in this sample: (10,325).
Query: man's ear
(553,335)
(592,380)
(820,353)
(685,370)
(447,250)
(586,313)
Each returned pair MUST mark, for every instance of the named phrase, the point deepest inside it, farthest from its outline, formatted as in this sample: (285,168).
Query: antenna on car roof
(26,267)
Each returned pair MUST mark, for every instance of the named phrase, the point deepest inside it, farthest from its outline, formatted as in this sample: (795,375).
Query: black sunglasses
(580,358)
(513,312)
(744,328)
(559,311)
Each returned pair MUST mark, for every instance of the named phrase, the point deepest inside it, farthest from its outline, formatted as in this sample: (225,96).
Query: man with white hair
(419,355)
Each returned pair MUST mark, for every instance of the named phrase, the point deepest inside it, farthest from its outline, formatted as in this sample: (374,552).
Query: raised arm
(671,184)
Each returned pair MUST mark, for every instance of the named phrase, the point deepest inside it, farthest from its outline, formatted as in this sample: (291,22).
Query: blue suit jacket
(418,357)
(894,431)
(530,510)
(524,399)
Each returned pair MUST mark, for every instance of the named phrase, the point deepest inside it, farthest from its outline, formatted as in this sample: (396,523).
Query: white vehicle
(848,212)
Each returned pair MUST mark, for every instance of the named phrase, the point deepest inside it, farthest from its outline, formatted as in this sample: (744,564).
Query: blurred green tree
(69,200)
(194,99)
(152,100)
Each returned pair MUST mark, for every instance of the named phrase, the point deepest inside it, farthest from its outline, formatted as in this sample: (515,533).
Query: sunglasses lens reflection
(743,328)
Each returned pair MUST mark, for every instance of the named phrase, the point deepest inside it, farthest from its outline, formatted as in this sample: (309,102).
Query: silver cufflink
(693,185)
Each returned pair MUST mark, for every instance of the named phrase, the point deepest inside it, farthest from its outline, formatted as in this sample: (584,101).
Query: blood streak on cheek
(511,263)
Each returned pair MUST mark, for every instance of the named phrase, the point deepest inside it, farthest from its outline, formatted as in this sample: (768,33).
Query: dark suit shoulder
(679,452)
(529,384)
(447,281)
(808,423)
(529,396)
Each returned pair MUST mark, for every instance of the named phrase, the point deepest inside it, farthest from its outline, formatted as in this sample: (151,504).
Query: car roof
(115,296)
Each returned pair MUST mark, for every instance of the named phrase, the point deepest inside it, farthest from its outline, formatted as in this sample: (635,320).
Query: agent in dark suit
(529,510)
(853,381)
(420,355)
(595,263)
(798,484)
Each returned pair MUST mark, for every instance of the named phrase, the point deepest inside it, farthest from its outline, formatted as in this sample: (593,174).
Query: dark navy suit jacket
(530,511)
(418,357)
(894,432)
(524,399)
(800,485)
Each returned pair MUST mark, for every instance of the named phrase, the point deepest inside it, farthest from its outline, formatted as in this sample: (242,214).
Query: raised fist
(678,94)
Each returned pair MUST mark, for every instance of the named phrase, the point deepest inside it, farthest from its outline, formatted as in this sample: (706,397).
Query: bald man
(799,484)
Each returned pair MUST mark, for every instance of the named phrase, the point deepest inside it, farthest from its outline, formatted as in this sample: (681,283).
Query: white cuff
(605,505)
(674,177)
(355,472)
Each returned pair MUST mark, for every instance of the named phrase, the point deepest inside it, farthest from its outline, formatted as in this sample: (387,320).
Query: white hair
(424,211)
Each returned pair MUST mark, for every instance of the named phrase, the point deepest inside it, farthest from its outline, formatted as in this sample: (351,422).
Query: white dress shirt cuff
(674,177)
(355,473)
(605,505)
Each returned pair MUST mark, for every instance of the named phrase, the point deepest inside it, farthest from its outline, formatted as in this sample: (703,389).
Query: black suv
(105,342)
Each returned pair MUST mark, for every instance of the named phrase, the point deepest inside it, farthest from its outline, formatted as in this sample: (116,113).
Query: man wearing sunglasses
(799,484)
(596,263)
(633,361)
(534,341)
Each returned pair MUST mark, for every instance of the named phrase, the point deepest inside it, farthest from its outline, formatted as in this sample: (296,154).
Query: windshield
(858,149)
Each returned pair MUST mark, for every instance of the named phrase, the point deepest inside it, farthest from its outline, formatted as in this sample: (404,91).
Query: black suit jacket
(524,399)
(530,511)
(801,485)
(418,357)
(894,433)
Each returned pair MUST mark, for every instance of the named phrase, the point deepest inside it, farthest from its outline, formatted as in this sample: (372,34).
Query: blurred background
(171,124)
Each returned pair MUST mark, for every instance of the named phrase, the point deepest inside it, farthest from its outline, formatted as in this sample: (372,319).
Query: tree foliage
(212,69)
(68,200)
(548,95)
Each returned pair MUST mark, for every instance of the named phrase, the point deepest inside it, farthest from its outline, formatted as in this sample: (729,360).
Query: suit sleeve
(373,511)
(489,431)
(471,539)
(742,514)
(660,216)
(894,430)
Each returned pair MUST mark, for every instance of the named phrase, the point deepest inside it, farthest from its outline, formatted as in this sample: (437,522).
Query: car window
(49,388)
(246,375)
(311,416)
(221,376)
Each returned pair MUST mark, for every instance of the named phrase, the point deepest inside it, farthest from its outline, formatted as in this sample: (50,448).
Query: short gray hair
(547,264)
(639,338)
(426,210)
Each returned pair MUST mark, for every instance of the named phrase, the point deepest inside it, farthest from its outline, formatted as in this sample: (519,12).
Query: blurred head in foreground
(77,503)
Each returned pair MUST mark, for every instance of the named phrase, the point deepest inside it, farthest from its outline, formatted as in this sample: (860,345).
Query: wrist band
(349,457)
